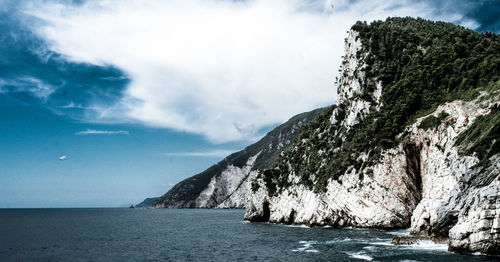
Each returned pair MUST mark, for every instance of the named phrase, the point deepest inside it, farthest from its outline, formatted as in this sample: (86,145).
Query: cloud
(222,69)
(71,105)
(212,153)
(102,132)
(28,84)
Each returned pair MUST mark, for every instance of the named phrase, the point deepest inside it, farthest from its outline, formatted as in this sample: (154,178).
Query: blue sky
(141,95)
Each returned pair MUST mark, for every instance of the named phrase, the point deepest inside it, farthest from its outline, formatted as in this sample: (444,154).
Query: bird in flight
(62,158)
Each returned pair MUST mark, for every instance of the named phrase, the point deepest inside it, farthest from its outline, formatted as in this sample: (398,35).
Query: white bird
(62,158)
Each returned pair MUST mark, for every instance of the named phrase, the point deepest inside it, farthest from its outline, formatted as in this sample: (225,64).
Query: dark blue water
(192,235)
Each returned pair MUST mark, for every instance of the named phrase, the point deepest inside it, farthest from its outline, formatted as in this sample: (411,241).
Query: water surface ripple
(192,235)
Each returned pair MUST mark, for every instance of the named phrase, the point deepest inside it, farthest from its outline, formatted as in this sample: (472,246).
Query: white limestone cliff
(227,184)
(422,183)
(238,197)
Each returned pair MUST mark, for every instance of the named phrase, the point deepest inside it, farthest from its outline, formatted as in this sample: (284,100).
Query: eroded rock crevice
(266,212)
(261,216)
(414,167)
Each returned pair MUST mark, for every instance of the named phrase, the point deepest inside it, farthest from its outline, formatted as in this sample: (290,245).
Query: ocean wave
(421,244)
(426,245)
(301,226)
(338,240)
(401,232)
(381,244)
(307,246)
(360,255)
(370,248)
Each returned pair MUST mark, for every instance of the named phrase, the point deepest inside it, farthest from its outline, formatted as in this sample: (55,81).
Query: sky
(139,95)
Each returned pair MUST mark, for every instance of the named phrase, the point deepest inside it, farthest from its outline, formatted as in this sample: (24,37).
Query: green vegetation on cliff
(420,64)
(432,121)
(482,137)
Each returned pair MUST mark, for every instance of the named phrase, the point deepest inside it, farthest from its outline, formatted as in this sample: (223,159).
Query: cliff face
(386,159)
(225,185)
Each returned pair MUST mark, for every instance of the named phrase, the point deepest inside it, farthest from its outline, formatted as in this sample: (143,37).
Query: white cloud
(102,132)
(29,84)
(211,153)
(218,68)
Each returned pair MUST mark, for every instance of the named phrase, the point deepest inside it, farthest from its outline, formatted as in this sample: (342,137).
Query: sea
(121,234)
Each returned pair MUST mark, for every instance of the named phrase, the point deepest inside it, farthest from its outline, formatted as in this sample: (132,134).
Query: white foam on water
(355,228)
(426,245)
(338,240)
(376,239)
(381,244)
(300,226)
(370,248)
(401,232)
(421,244)
(360,255)
(306,247)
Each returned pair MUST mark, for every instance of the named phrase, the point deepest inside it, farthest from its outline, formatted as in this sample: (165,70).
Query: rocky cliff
(225,185)
(414,141)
